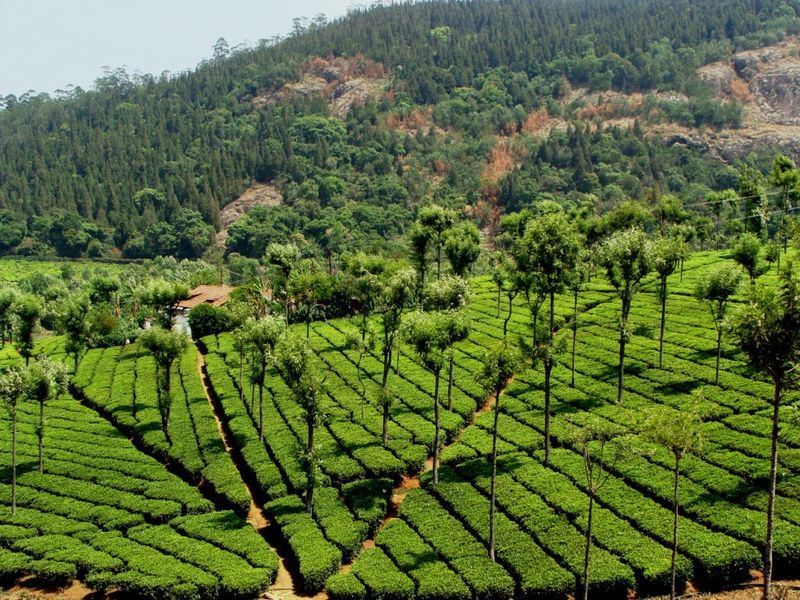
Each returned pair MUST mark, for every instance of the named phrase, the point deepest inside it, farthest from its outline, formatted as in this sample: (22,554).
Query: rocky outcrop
(767,82)
(259,194)
(342,82)
(776,91)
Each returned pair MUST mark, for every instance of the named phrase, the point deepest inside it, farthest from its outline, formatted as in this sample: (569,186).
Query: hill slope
(358,121)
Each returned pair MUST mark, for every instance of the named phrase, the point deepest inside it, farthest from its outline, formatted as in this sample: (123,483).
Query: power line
(732,199)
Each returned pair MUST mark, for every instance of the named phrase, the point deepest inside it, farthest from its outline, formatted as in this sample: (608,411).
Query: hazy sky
(47,44)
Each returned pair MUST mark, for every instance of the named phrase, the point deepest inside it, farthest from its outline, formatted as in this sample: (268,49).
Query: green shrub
(382,578)
(345,586)
(205,320)
(316,557)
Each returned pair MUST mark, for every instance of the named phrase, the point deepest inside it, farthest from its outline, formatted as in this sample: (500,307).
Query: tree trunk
(450,381)
(436,427)
(361,383)
(773,477)
(261,410)
(164,399)
(574,334)
(308,328)
(663,321)
(14,462)
(41,437)
(241,376)
(676,515)
(588,547)
(397,362)
(498,303)
(621,373)
(548,368)
(719,353)
(508,317)
(492,508)
(310,476)
(387,365)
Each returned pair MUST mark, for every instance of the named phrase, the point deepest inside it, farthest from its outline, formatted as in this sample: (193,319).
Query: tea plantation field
(13,270)
(163,520)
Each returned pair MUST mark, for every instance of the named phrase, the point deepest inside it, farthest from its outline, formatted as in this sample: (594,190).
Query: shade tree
(462,246)
(499,366)
(261,336)
(72,323)
(8,297)
(667,253)
(28,311)
(396,295)
(431,335)
(680,432)
(626,257)
(282,260)
(14,386)
(601,449)
(165,346)
(767,328)
(548,253)
(46,381)
(449,294)
(786,177)
(436,221)
(746,251)
(716,290)
(161,297)
(302,374)
(575,283)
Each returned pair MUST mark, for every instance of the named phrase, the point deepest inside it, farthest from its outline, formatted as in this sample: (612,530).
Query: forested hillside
(143,165)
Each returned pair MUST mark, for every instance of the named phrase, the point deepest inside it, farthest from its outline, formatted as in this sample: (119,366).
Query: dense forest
(142,165)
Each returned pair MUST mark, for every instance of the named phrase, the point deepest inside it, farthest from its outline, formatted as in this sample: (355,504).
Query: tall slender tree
(627,259)
(462,246)
(549,251)
(8,298)
(28,310)
(747,253)
(165,346)
(261,336)
(295,363)
(430,335)
(419,243)
(282,259)
(396,295)
(362,341)
(72,323)
(680,433)
(575,282)
(786,177)
(499,367)
(716,289)
(437,221)
(46,380)
(601,450)
(14,386)
(449,294)
(768,330)
(667,253)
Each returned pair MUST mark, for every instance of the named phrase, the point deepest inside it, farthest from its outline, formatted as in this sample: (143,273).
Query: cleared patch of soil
(258,194)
